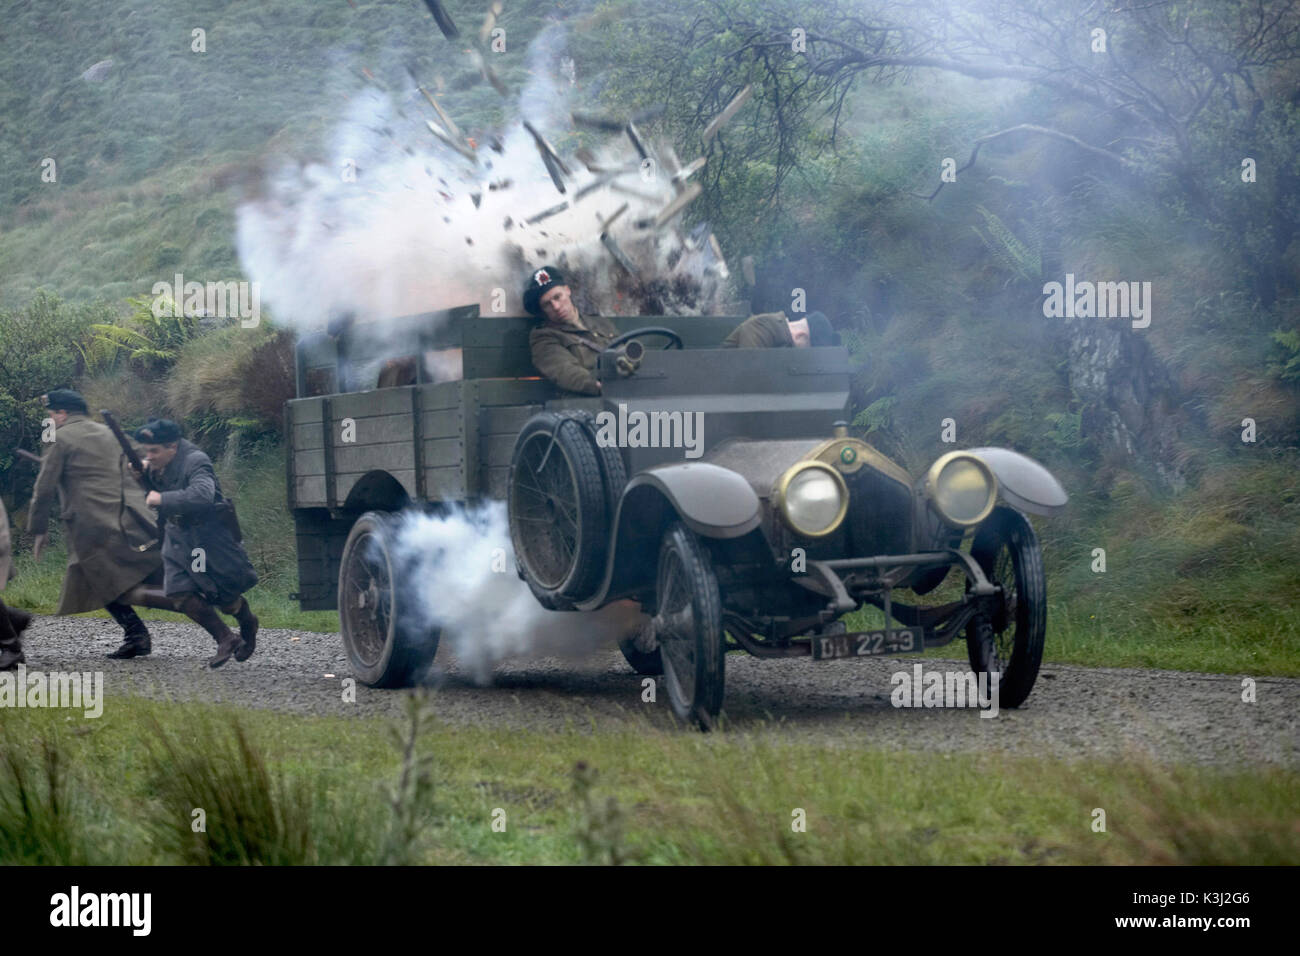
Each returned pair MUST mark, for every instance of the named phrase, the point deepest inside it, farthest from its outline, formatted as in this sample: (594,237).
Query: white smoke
(404,234)
(461,570)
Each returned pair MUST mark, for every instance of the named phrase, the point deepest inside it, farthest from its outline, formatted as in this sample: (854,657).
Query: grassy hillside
(940,301)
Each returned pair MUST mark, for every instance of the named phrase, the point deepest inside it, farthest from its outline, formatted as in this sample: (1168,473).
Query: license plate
(902,640)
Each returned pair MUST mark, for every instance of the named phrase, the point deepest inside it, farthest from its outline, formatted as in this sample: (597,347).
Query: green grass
(279,788)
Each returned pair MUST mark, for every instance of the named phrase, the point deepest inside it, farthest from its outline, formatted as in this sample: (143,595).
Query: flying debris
(612,247)
(606,223)
(682,175)
(634,135)
(546,213)
(603,179)
(635,193)
(490,74)
(554,164)
(678,204)
(489,22)
(619,255)
(443,19)
(447,121)
(465,151)
(731,109)
(602,123)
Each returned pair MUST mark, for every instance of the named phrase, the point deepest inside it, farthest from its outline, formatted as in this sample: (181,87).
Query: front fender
(713,501)
(1022,482)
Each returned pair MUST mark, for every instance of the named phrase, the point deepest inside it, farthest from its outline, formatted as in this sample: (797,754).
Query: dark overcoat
(112,536)
(200,553)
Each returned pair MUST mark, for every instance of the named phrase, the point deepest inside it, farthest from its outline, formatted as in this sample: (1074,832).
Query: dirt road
(1073,711)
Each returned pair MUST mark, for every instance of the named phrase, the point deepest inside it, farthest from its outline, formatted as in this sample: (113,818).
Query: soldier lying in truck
(567,345)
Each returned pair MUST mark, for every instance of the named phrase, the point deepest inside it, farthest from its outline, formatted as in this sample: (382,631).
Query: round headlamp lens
(962,491)
(814,501)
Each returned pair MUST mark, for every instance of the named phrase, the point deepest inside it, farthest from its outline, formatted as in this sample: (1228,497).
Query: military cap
(158,431)
(539,283)
(66,400)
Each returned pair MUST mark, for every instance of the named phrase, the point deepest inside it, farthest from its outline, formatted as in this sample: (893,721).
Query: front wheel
(386,644)
(688,625)
(1009,640)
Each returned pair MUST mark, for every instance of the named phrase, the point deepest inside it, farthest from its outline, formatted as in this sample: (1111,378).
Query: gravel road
(1073,711)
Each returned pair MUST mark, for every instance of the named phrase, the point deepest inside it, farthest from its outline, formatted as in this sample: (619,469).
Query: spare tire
(559,518)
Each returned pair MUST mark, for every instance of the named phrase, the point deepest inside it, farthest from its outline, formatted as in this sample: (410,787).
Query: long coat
(112,537)
(567,355)
(6,553)
(189,490)
(767,330)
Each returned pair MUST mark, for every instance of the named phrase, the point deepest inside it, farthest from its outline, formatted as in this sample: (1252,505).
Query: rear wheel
(386,644)
(688,625)
(1009,641)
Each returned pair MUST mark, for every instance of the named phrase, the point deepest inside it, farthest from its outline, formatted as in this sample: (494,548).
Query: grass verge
(293,789)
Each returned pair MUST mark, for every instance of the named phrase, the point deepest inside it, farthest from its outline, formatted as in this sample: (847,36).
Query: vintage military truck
(758,533)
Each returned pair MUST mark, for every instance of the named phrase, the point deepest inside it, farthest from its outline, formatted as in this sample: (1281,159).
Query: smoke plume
(397,223)
(459,575)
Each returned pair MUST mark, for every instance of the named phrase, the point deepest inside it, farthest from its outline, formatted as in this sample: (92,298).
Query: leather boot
(205,615)
(137,642)
(247,628)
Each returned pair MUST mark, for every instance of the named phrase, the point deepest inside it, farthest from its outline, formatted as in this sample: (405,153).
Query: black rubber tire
(1007,549)
(571,467)
(385,643)
(612,470)
(686,581)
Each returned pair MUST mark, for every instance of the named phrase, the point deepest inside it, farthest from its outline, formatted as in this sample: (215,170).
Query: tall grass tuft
(410,798)
(600,822)
(222,804)
(39,823)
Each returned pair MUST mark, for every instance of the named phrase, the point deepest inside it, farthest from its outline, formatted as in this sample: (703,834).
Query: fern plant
(144,337)
(1023,259)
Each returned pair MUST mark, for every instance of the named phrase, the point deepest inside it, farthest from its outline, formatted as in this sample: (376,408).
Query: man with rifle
(204,564)
(112,537)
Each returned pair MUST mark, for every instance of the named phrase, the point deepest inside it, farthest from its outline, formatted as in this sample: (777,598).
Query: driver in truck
(566,345)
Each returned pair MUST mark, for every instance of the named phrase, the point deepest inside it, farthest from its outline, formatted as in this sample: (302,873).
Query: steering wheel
(675,340)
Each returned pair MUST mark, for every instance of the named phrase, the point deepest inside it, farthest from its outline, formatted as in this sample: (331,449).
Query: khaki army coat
(6,550)
(111,533)
(567,355)
(768,330)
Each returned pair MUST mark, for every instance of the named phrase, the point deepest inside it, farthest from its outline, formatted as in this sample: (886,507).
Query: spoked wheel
(558,514)
(386,645)
(1009,641)
(688,625)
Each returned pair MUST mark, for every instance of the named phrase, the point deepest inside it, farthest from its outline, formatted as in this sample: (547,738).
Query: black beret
(158,431)
(66,400)
(539,283)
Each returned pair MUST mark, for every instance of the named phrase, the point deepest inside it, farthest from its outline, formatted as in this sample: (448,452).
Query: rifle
(111,421)
(24,453)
